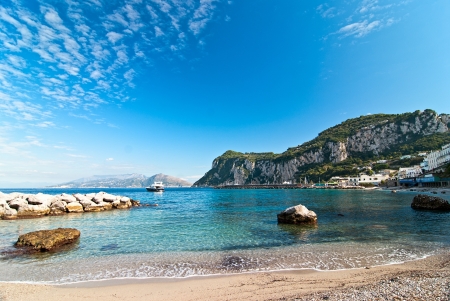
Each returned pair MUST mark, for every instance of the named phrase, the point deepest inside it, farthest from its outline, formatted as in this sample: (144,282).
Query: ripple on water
(206,231)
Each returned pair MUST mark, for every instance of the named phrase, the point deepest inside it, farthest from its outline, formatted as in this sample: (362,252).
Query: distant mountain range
(123,181)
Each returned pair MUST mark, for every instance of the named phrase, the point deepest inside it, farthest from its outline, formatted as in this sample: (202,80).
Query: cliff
(353,141)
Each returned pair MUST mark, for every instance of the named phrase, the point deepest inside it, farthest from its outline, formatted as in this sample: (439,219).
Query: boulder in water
(298,215)
(426,202)
(46,240)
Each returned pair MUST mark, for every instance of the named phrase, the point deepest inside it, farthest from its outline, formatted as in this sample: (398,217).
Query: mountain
(339,150)
(127,180)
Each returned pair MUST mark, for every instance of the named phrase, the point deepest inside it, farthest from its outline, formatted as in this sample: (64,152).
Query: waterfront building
(409,172)
(436,159)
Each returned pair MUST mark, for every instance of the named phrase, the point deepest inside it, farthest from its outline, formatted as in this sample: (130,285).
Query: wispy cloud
(59,58)
(358,19)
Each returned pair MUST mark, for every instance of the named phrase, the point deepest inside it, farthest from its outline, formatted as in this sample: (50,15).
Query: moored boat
(156,187)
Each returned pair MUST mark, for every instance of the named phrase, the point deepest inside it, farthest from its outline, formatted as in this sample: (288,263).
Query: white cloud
(359,29)
(96,74)
(110,159)
(158,31)
(77,156)
(113,37)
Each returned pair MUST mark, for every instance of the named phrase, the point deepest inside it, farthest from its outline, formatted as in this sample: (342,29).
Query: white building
(409,172)
(436,159)
(375,179)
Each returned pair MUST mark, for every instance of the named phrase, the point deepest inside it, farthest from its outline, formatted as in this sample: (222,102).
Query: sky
(107,87)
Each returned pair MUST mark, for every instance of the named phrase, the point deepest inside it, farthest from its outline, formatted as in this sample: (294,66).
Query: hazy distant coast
(123,181)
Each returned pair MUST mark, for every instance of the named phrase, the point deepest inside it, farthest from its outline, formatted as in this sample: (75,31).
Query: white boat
(156,187)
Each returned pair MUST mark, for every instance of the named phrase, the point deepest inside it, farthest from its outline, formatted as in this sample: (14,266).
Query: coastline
(421,278)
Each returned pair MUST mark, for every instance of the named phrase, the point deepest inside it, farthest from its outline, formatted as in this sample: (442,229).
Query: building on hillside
(436,159)
(387,172)
(405,157)
(424,154)
(409,172)
(381,161)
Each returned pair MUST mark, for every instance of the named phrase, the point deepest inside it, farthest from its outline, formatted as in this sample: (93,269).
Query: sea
(204,231)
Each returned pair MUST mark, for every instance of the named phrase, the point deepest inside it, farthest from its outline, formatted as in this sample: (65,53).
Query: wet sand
(425,279)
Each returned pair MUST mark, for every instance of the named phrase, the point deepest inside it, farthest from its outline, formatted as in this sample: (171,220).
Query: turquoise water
(195,231)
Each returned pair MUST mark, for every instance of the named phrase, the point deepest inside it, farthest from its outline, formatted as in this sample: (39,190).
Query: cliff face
(367,136)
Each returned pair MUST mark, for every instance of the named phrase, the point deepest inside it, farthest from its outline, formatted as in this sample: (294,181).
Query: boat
(156,187)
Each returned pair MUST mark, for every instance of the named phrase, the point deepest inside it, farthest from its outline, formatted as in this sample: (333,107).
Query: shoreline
(274,285)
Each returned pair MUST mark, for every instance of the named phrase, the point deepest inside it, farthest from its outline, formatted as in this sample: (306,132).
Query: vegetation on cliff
(248,168)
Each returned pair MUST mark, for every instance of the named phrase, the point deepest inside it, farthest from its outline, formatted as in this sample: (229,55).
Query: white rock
(33,210)
(86,203)
(61,205)
(3,206)
(98,198)
(109,198)
(68,198)
(125,199)
(18,202)
(10,213)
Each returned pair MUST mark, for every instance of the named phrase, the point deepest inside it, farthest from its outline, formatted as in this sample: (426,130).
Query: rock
(102,206)
(87,203)
(135,203)
(10,213)
(109,198)
(106,206)
(3,206)
(98,198)
(125,199)
(122,205)
(46,240)
(74,207)
(33,210)
(67,198)
(297,215)
(426,202)
(90,195)
(82,198)
(58,208)
(18,202)
(32,200)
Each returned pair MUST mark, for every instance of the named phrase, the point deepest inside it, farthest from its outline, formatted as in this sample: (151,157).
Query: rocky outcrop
(18,205)
(298,215)
(375,137)
(47,240)
(426,202)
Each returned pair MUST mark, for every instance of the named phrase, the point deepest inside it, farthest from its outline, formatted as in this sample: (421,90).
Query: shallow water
(197,231)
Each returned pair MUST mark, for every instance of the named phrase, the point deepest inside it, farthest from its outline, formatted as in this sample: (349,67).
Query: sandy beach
(425,279)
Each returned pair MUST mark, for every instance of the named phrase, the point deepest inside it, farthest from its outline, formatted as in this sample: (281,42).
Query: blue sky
(101,87)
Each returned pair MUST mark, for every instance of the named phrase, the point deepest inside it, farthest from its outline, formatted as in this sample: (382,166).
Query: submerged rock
(299,215)
(426,202)
(46,240)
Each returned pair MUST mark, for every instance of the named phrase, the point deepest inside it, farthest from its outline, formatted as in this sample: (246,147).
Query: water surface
(197,231)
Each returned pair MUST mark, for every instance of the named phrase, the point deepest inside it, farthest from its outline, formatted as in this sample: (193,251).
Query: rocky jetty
(426,202)
(298,215)
(19,205)
(48,240)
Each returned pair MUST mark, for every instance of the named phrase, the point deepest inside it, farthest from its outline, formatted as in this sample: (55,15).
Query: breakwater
(20,205)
